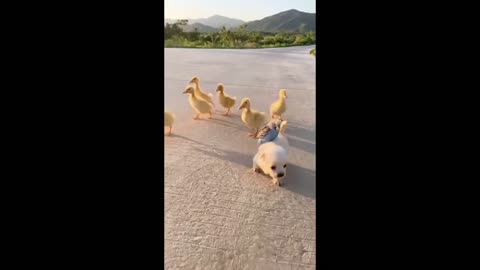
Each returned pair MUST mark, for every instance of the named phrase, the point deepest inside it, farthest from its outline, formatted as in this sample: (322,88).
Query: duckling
(199,105)
(279,107)
(253,119)
(226,101)
(169,119)
(199,93)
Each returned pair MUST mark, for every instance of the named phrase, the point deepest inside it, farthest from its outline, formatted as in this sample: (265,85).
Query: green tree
(268,40)
(225,36)
(174,29)
(213,39)
(299,40)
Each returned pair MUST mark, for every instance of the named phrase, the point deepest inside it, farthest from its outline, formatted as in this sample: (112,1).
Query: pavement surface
(218,213)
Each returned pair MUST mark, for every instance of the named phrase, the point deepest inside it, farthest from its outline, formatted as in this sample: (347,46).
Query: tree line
(174,36)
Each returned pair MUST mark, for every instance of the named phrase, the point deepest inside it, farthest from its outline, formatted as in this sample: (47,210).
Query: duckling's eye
(273,168)
(284,166)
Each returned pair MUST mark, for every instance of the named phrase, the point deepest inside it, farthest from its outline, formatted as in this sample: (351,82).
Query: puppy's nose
(280,175)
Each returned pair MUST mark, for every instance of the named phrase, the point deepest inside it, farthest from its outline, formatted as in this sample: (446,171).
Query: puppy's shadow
(300,180)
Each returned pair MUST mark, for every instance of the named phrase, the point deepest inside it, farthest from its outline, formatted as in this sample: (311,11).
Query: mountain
(287,21)
(291,21)
(218,21)
(215,21)
(201,28)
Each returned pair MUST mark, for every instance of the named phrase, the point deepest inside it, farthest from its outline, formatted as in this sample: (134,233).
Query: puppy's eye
(284,166)
(273,167)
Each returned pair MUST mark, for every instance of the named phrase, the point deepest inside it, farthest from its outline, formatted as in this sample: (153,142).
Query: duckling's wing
(259,118)
(262,116)
(275,106)
(229,101)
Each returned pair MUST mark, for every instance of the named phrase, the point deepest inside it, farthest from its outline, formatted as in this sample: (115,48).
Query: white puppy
(271,158)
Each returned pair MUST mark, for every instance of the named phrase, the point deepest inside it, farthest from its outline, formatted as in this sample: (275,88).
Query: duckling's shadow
(230,115)
(234,124)
(188,139)
(299,180)
(295,130)
(303,145)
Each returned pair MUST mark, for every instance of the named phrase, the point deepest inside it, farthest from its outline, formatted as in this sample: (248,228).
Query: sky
(247,10)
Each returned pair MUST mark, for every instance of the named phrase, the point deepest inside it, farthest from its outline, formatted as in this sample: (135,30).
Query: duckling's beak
(191,81)
(218,89)
(241,106)
(184,92)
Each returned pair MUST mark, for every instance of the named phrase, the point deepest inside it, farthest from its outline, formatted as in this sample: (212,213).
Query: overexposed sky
(247,10)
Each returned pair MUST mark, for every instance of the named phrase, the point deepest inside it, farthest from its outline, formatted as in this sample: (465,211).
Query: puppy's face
(276,163)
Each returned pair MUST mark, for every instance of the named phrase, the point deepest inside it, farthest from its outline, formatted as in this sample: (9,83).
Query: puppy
(271,159)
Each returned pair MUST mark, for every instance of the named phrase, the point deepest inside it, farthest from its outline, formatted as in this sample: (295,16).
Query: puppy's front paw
(256,170)
(275,182)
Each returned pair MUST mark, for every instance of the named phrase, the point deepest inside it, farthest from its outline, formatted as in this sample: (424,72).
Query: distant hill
(218,21)
(215,21)
(291,21)
(287,21)
(201,28)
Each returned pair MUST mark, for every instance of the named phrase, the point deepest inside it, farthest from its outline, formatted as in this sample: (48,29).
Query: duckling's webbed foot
(196,117)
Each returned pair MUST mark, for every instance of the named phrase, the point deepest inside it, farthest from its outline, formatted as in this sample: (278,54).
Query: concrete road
(218,213)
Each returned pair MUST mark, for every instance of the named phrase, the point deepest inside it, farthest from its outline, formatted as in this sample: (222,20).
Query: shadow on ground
(298,131)
(299,180)
(302,145)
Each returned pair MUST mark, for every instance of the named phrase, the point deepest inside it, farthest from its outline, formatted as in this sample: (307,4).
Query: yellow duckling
(252,118)
(279,107)
(168,119)
(226,101)
(199,93)
(199,105)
